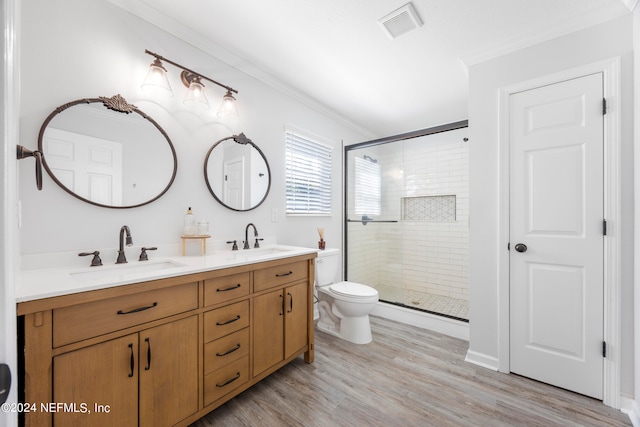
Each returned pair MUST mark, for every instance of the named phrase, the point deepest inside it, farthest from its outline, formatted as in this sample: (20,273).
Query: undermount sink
(254,253)
(123,271)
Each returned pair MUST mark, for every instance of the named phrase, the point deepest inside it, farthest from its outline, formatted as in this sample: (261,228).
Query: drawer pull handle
(136,310)
(146,368)
(228,321)
(230,288)
(237,347)
(133,361)
(284,274)
(229,381)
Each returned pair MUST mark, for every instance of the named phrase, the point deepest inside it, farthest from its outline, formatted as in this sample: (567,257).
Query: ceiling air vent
(400,21)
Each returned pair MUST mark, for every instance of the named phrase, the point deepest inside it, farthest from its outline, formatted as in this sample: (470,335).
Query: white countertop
(51,282)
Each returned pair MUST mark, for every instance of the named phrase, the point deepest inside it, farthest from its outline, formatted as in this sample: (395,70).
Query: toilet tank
(327,265)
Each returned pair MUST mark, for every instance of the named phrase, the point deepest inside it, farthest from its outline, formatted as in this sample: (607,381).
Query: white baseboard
(632,409)
(481,359)
(444,325)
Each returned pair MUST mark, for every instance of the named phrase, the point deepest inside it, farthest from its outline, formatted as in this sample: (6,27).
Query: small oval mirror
(237,173)
(107,152)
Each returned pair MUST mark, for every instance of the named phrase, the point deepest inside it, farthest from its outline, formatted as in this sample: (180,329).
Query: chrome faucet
(246,236)
(121,258)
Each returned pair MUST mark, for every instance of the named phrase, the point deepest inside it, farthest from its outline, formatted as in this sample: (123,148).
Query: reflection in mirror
(237,173)
(107,152)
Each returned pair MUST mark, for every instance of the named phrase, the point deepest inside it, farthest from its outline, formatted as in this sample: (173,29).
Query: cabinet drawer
(225,320)
(82,321)
(270,277)
(225,350)
(226,288)
(225,380)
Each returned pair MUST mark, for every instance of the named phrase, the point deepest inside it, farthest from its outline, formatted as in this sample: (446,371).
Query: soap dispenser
(189,223)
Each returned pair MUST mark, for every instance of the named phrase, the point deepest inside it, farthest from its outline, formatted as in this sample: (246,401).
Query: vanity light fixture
(193,81)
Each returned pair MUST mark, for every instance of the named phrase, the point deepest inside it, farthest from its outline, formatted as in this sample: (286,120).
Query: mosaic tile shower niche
(415,248)
(429,208)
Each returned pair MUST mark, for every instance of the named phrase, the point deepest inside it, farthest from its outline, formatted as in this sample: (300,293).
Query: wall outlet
(274,215)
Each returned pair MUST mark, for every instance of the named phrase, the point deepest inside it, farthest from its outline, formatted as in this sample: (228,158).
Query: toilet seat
(353,290)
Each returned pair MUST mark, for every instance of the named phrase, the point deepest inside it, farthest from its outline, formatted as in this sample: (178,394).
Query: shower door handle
(366,220)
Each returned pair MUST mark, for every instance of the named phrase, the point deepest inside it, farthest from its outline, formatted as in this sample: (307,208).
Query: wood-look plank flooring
(406,377)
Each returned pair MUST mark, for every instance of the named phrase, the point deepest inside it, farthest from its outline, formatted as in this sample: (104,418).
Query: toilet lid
(351,289)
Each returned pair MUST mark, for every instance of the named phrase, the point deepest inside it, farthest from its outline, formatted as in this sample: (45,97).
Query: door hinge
(604,227)
(604,106)
(604,349)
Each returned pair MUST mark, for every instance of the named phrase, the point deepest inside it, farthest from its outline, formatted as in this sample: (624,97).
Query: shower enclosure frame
(386,140)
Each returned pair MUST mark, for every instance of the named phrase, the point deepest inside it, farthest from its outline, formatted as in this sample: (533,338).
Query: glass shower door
(374,233)
(407,219)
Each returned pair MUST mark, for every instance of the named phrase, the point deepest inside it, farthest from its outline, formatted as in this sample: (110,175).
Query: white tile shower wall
(435,253)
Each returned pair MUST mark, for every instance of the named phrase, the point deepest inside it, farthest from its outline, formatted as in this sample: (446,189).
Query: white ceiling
(334,54)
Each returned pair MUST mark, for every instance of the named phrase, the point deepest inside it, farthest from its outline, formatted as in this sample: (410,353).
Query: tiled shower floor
(434,303)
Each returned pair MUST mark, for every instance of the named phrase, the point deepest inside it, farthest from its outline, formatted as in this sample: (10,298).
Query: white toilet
(343,307)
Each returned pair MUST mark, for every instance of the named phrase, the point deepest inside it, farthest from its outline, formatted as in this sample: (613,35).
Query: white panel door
(556,234)
(90,167)
(234,183)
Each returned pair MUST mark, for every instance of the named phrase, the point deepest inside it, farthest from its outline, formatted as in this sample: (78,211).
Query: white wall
(88,48)
(635,412)
(613,38)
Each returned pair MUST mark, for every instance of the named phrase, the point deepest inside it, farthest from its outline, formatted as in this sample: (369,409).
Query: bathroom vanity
(160,347)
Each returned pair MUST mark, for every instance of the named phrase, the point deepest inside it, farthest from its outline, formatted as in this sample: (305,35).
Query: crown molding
(595,17)
(630,4)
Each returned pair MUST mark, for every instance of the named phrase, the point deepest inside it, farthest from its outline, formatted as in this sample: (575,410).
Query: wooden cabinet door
(268,330)
(104,374)
(168,372)
(296,310)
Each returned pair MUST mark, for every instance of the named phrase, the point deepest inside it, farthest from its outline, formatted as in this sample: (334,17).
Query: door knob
(521,247)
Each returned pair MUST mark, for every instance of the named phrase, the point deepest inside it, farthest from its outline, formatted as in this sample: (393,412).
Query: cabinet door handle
(230,288)
(290,302)
(282,302)
(136,310)
(284,274)
(146,368)
(237,347)
(229,381)
(133,361)
(228,321)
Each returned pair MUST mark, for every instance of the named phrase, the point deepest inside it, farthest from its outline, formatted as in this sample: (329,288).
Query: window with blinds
(368,187)
(308,175)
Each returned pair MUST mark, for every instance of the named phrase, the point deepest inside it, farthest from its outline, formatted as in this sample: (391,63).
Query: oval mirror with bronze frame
(106,152)
(237,173)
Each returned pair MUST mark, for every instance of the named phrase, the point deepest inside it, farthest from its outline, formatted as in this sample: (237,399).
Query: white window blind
(308,175)
(368,187)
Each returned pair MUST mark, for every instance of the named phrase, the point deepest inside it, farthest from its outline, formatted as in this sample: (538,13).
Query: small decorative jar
(321,244)
(203,227)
